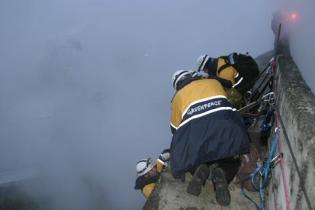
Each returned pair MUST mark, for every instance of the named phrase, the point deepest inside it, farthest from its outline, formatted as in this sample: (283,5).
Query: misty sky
(85,86)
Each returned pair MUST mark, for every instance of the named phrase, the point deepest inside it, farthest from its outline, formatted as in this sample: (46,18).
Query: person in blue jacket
(206,129)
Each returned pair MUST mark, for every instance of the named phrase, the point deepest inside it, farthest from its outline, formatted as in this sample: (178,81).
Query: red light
(293,16)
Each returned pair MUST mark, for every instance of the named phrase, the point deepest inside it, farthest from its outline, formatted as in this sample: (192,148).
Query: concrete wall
(293,182)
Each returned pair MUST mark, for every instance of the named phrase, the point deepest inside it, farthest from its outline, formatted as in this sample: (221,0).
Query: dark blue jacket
(205,126)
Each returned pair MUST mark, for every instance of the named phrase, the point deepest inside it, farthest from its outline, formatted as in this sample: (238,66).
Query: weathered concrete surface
(292,185)
(171,194)
(296,106)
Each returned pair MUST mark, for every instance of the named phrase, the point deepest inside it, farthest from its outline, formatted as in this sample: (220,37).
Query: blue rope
(262,172)
(267,123)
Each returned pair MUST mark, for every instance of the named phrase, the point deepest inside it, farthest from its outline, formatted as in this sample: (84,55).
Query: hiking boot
(222,193)
(198,180)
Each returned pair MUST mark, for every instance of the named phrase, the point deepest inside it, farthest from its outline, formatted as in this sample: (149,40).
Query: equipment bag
(247,68)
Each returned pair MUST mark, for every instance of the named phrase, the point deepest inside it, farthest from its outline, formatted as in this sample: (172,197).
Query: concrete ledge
(296,106)
(170,194)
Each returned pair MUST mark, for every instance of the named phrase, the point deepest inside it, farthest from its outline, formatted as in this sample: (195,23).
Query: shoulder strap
(223,67)
(226,65)
(229,61)
(224,82)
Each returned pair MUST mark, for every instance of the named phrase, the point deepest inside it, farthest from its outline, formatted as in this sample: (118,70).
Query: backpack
(247,68)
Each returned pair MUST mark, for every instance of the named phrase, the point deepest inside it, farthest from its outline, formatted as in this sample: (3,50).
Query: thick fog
(301,36)
(85,86)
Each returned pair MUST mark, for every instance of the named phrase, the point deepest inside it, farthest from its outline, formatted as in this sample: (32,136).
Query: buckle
(269,98)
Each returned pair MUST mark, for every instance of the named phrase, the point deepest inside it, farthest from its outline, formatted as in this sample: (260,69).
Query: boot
(198,180)
(222,193)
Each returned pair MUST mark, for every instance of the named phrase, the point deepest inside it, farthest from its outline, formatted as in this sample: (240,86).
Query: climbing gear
(264,104)
(276,160)
(198,180)
(264,80)
(180,75)
(222,193)
(268,120)
(259,93)
(266,126)
(267,99)
(262,173)
(144,166)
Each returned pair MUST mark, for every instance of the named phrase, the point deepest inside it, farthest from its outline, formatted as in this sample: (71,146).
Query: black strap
(224,66)
(224,82)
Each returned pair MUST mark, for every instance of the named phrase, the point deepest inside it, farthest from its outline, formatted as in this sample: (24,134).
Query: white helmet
(201,62)
(144,166)
(179,75)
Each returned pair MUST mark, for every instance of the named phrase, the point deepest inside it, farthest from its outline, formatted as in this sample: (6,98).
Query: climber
(206,130)
(148,172)
(236,72)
